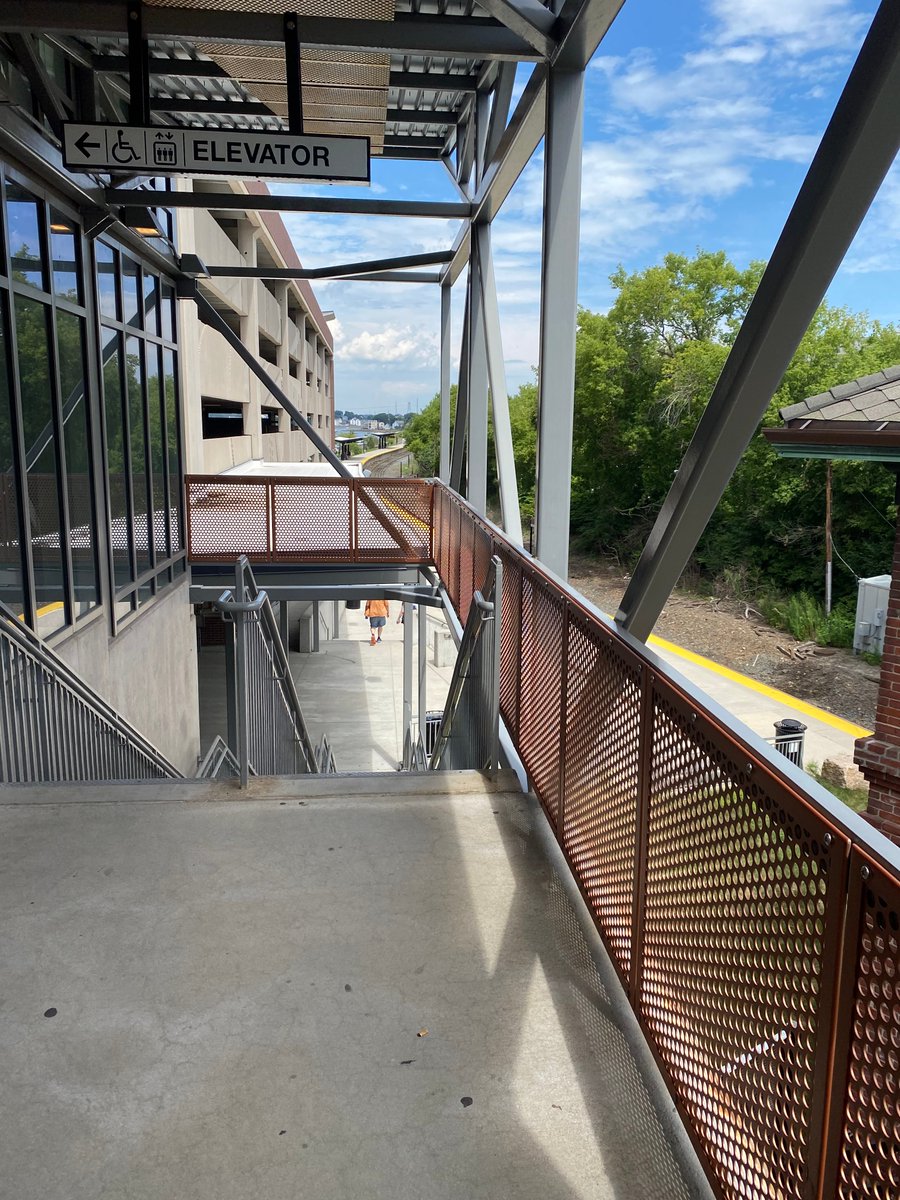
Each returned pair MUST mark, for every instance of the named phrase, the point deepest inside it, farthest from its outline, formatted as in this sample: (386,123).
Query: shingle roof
(872,398)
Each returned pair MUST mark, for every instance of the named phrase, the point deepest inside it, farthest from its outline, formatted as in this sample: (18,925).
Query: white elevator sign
(159,150)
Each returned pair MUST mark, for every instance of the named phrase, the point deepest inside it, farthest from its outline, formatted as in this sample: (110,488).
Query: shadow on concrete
(383,998)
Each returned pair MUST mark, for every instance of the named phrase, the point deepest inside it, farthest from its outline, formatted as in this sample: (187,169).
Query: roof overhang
(826,439)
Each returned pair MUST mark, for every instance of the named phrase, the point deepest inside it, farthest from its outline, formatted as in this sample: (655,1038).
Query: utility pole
(828,537)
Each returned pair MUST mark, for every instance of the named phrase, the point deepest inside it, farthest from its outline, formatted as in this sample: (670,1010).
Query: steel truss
(484,151)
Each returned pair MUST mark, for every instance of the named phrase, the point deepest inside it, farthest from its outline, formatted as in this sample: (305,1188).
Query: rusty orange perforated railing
(753,921)
(286,519)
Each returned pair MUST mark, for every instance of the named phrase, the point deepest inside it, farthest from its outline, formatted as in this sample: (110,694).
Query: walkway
(382,996)
(760,706)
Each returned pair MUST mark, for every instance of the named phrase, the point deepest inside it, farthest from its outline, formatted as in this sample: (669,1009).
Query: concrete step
(394,786)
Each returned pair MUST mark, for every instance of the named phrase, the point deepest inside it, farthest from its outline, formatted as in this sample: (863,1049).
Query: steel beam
(45,90)
(476,483)
(559,311)
(220,201)
(432,81)
(582,24)
(422,632)
(212,106)
(503,446)
(407,671)
(856,152)
(528,18)
(395,277)
(442,36)
(444,453)
(429,598)
(503,90)
(372,266)
(458,448)
(201,68)
(138,66)
(422,116)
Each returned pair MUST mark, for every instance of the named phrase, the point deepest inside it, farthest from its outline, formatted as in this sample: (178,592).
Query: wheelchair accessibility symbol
(123,151)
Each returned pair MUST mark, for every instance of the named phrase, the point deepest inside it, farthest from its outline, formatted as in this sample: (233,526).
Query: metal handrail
(248,606)
(481,674)
(414,756)
(216,757)
(54,727)
(325,763)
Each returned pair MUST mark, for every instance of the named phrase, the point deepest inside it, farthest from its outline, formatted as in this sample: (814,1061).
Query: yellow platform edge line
(809,710)
(377,453)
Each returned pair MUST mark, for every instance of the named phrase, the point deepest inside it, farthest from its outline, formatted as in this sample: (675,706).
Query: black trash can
(354,604)
(789,739)
(432,728)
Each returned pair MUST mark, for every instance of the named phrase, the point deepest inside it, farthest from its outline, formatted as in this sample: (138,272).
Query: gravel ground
(725,631)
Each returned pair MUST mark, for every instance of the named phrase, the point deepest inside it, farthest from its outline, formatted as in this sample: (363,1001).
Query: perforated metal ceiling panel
(370,10)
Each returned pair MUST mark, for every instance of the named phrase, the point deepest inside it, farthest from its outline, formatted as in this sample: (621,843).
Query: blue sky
(701,119)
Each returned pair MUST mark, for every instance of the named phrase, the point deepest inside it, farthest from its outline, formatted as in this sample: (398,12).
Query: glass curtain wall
(90,446)
(141,420)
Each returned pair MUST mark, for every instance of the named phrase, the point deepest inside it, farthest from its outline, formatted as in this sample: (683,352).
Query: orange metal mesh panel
(868,1147)
(481,560)
(540,718)
(510,636)
(312,520)
(393,520)
(226,519)
(466,563)
(743,892)
(603,719)
(441,534)
(452,579)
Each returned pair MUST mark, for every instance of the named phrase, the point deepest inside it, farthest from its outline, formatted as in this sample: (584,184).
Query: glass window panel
(151,303)
(157,428)
(12,589)
(140,481)
(130,291)
(173,437)
(23,214)
(168,312)
(77,441)
(36,390)
(63,248)
(116,460)
(106,280)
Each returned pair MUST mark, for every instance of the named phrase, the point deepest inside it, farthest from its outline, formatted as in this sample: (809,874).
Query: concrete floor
(240,987)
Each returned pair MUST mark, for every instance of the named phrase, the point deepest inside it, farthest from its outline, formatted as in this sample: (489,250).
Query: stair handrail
(15,632)
(248,601)
(218,755)
(483,612)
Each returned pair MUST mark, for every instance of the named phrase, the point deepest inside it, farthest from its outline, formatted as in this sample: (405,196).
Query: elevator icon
(165,150)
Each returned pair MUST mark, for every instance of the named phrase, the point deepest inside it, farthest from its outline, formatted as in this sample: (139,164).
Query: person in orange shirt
(377,613)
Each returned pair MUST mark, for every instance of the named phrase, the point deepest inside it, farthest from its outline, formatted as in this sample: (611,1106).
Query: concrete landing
(330,999)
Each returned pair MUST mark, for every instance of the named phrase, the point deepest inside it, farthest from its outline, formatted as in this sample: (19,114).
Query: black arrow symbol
(85,146)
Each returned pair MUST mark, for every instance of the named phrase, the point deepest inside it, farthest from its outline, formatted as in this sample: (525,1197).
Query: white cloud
(391,345)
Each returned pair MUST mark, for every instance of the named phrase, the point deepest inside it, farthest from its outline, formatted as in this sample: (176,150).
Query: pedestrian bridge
(751,919)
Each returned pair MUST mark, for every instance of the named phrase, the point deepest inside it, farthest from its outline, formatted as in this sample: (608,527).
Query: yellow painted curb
(809,710)
(377,453)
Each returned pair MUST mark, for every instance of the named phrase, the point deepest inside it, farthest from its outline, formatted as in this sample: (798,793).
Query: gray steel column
(559,310)
(503,446)
(476,484)
(407,675)
(444,467)
(457,456)
(422,633)
(855,154)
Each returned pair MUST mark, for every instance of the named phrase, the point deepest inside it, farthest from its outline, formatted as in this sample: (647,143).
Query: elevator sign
(159,150)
